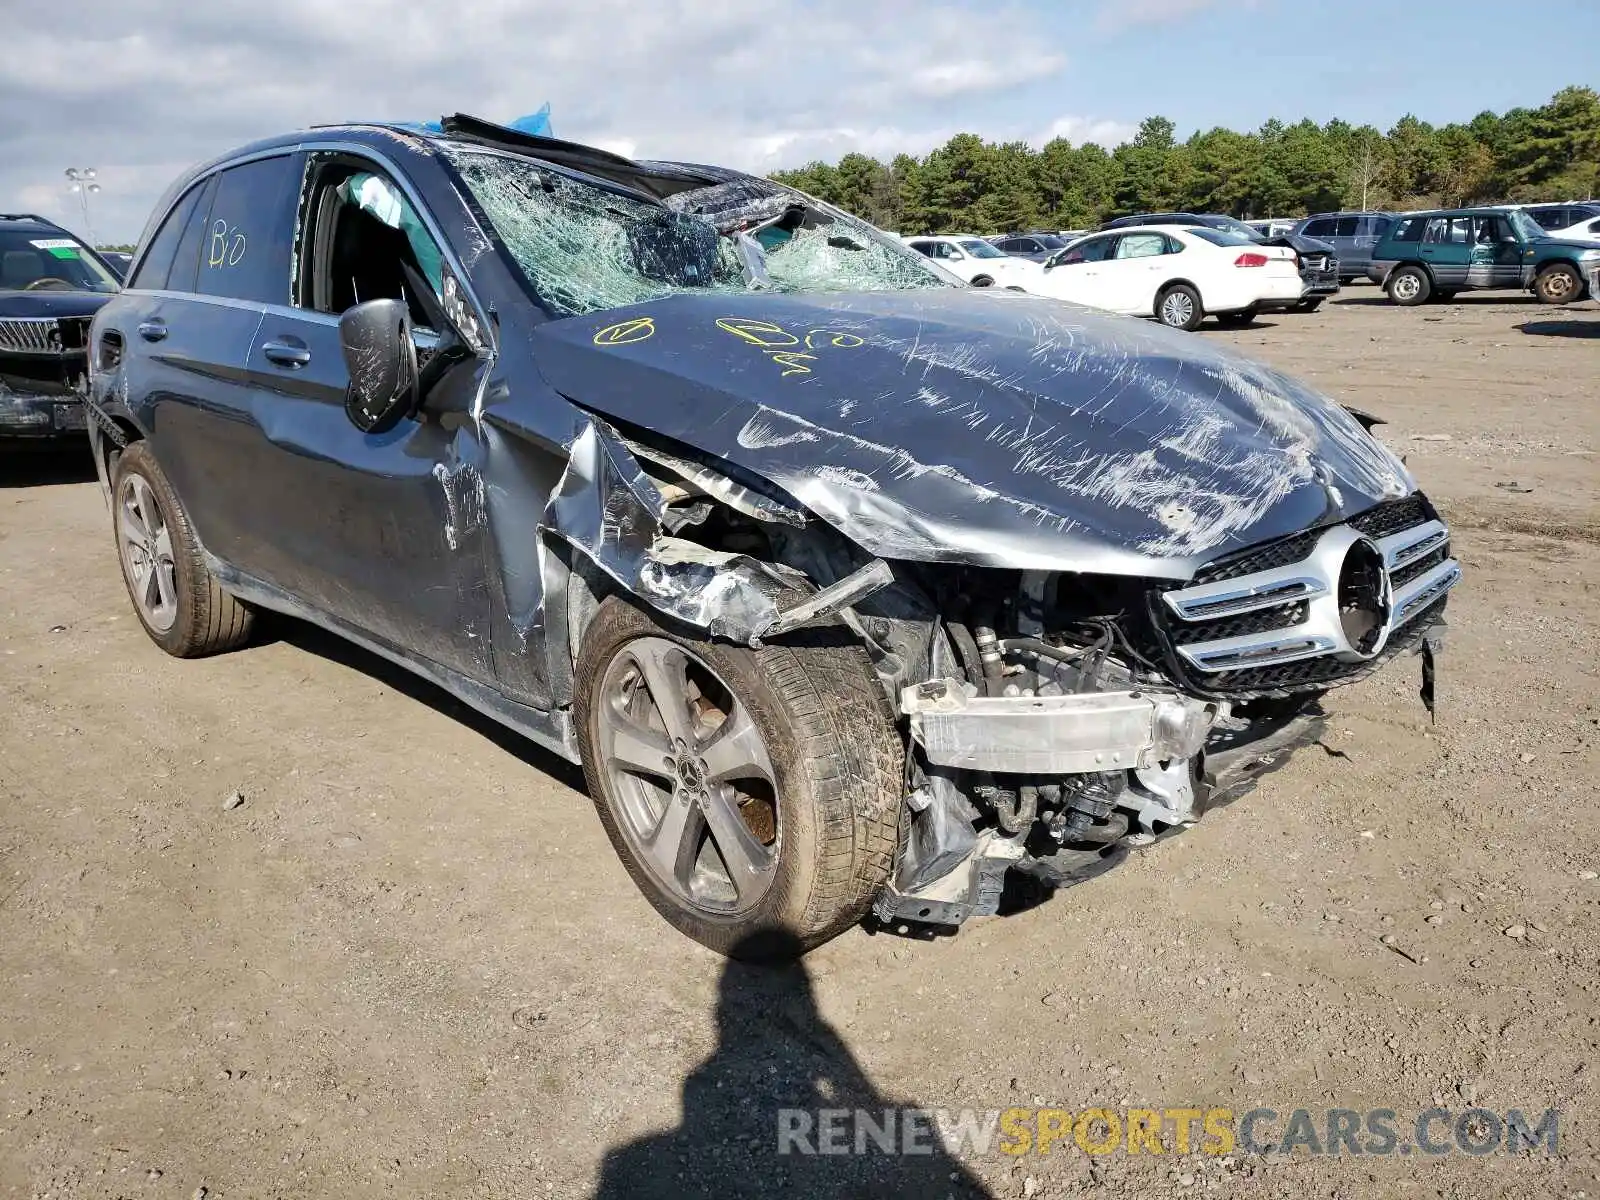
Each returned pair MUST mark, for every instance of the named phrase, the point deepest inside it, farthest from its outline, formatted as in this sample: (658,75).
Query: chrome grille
(1303,599)
(30,335)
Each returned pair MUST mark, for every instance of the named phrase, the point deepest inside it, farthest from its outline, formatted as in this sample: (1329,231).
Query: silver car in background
(1352,234)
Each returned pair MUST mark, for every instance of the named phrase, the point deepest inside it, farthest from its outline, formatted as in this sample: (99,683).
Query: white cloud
(143,88)
(1079,130)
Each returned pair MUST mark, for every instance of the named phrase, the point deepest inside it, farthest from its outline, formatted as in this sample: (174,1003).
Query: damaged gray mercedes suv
(855,591)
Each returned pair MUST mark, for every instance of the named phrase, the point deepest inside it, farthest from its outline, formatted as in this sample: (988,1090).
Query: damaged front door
(381,531)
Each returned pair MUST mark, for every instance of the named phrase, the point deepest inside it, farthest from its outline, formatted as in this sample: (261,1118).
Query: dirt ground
(410,965)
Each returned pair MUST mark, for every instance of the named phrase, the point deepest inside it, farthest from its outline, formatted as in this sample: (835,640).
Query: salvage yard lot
(410,964)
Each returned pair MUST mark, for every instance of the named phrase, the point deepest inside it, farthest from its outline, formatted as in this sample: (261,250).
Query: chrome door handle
(285,354)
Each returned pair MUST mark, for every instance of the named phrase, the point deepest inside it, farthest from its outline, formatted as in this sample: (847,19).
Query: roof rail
(5,216)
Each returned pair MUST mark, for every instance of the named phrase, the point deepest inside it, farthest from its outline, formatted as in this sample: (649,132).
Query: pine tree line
(1547,153)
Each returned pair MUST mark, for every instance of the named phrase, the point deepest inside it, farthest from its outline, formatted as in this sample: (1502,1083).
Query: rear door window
(1346,226)
(1449,231)
(249,235)
(1141,245)
(1321,227)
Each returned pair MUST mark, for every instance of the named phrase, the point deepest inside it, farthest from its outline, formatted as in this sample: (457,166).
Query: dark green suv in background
(1434,255)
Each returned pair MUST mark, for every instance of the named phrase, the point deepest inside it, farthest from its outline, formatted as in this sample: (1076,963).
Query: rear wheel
(1558,284)
(1245,316)
(179,602)
(1409,286)
(1309,305)
(982,281)
(1444,295)
(1179,307)
(753,795)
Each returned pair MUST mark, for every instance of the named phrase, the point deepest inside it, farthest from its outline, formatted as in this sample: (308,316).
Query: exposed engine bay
(1054,721)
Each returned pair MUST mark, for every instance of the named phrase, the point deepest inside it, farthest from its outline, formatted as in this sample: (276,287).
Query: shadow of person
(760,1111)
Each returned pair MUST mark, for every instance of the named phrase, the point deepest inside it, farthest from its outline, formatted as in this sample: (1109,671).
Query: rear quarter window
(180,229)
(1409,229)
(249,234)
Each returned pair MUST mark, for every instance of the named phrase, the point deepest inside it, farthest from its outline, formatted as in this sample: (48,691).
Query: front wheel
(982,281)
(1409,286)
(1559,284)
(753,795)
(1309,305)
(1179,307)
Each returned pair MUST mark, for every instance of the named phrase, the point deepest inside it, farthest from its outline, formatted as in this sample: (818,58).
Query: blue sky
(141,89)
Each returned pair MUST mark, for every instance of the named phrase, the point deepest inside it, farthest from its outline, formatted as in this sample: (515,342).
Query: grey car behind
(1352,234)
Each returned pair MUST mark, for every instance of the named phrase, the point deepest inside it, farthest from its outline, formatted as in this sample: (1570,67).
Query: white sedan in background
(978,262)
(1178,274)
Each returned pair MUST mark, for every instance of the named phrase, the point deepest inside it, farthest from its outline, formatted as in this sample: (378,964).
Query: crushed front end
(43,366)
(1070,718)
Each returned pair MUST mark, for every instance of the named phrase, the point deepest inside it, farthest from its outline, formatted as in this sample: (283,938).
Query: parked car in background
(119,261)
(1433,255)
(1319,265)
(1352,236)
(1272,227)
(1034,246)
(978,262)
(1575,220)
(51,285)
(852,588)
(1179,275)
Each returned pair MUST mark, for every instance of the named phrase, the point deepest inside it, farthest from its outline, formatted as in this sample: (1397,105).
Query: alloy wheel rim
(694,789)
(1177,309)
(147,560)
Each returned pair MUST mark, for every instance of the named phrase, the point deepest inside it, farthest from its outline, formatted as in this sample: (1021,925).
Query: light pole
(81,180)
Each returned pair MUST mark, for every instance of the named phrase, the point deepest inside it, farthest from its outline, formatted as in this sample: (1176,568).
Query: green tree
(1546,153)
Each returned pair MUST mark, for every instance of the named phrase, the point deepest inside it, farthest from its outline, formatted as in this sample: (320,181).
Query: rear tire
(826,818)
(1409,286)
(982,281)
(178,601)
(1444,296)
(1237,320)
(1560,284)
(1309,306)
(1178,307)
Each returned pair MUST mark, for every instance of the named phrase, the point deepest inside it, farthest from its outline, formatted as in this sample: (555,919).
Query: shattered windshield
(584,248)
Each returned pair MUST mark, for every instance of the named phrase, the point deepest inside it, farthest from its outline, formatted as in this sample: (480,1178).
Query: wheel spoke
(133,526)
(663,667)
(166,585)
(152,588)
(736,751)
(639,749)
(672,846)
(747,860)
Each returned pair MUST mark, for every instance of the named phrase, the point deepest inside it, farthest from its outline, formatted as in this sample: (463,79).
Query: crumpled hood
(50,303)
(979,426)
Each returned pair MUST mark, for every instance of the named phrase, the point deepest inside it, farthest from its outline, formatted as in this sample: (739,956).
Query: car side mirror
(382,362)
